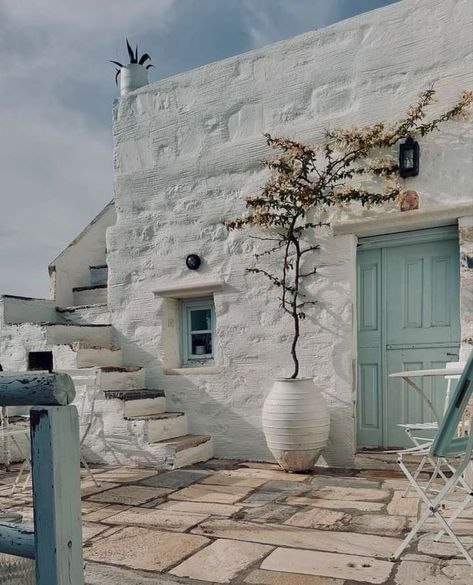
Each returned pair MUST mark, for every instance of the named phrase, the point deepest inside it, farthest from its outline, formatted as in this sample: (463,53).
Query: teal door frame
(373,343)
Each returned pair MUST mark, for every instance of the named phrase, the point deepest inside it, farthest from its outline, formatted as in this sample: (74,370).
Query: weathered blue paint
(17,540)
(30,389)
(408,318)
(446,442)
(56,495)
(56,543)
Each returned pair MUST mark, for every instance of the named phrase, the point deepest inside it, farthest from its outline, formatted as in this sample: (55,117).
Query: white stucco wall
(186,154)
(71,268)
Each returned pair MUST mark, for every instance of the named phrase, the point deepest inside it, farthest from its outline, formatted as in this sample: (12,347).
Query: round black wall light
(193,262)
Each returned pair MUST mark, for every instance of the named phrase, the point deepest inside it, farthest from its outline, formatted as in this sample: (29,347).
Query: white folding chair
(446,446)
(422,443)
(19,438)
(86,411)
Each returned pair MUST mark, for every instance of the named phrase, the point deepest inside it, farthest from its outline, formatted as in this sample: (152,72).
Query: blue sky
(57,90)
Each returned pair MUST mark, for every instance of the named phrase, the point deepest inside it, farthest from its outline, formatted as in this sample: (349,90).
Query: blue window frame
(197,331)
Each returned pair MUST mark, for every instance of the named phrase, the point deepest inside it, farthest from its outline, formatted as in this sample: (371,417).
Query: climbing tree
(349,166)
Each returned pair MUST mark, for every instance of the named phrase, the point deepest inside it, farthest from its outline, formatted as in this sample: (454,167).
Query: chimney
(132,76)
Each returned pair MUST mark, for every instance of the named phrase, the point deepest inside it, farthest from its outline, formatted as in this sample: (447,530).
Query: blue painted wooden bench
(56,541)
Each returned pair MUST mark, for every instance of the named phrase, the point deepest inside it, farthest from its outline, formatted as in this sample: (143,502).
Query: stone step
(166,425)
(120,378)
(87,357)
(187,449)
(69,333)
(90,295)
(139,402)
(80,376)
(97,314)
(98,274)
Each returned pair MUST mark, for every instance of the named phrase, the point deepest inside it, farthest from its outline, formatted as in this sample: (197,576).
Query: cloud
(269,21)
(57,94)
(55,112)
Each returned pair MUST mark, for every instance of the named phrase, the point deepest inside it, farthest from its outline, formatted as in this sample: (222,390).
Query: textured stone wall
(466,284)
(186,154)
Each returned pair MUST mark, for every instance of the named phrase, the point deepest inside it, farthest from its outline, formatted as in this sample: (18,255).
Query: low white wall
(186,155)
(26,310)
(71,268)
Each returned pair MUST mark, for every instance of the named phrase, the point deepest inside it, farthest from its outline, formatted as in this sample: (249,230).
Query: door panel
(422,284)
(369,404)
(408,318)
(403,404)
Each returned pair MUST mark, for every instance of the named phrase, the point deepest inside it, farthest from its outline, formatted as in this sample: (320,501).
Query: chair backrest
(447,442)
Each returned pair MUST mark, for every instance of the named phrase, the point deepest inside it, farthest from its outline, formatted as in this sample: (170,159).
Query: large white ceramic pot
(296,423)
(132,76)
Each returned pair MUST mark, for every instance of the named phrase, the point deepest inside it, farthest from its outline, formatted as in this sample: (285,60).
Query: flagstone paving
(252,524)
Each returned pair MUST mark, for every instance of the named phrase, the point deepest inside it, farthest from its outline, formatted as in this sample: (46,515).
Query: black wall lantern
(409,158)
(193,262)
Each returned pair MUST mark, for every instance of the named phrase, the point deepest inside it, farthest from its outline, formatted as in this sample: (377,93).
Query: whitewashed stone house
(186,154)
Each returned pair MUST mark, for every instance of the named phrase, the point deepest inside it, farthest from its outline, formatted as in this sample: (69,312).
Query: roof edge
(77,239)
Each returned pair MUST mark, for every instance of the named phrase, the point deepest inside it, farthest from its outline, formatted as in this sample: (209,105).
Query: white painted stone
(166,428)
(69,334)
(98,274)
(18,310)
(202,452)
(71,268)
(88,357)
(143,407)
(93,314)
(113,379)
(90,296)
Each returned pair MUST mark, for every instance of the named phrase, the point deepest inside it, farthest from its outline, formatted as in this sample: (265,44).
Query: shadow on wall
(206,416)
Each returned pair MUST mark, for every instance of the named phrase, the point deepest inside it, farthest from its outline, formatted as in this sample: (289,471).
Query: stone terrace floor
(252,524)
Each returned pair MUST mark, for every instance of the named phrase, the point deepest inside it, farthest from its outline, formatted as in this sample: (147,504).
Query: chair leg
(454,537)
(431,510)
(18,477)
(466,502)
(436,472)
(89,472)
(26,464)
(415,476)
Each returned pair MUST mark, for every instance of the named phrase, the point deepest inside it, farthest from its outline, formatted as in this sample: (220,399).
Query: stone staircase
(130,423)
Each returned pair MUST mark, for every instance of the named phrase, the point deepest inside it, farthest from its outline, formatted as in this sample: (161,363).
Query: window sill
(199,371)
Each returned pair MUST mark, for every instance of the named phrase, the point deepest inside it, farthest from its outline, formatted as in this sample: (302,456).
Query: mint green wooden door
(408,319)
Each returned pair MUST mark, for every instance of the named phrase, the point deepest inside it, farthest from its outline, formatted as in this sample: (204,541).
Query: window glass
(197,331)
(201,320)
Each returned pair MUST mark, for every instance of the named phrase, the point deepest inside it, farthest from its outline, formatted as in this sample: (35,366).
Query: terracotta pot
(296,423)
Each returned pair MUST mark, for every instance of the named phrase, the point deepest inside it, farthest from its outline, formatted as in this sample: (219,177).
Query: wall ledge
(201,371)
(432,216)
(188,289)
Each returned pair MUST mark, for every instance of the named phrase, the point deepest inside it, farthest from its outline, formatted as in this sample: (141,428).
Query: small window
(197,328)
(40,360)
